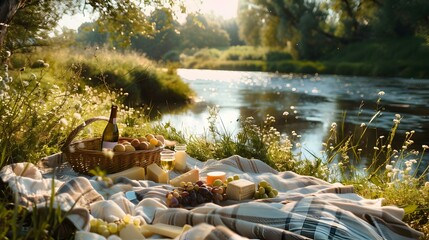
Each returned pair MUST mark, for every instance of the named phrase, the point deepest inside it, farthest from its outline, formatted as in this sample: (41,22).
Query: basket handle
(79,128)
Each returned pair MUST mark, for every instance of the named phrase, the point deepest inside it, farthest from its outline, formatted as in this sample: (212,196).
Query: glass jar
(181,156)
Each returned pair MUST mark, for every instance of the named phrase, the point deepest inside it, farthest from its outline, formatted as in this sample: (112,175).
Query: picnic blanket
(306,207)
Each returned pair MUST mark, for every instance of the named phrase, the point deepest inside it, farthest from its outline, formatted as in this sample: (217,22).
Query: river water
(308,105)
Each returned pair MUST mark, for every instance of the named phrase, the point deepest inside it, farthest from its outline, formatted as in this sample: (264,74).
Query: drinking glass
(167,162)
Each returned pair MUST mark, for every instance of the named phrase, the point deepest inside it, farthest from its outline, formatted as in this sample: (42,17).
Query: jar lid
(180,147)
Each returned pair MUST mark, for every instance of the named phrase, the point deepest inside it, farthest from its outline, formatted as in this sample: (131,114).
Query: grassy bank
(42,105)
(390,58)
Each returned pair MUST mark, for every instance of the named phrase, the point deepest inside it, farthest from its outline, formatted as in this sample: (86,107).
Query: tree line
(309,29)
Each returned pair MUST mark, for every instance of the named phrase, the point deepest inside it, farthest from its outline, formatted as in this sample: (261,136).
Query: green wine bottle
(111,132)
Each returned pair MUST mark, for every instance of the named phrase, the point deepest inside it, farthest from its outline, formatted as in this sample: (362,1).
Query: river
(308,105)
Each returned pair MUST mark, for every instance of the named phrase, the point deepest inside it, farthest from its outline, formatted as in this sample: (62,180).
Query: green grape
(263,184)
(261,190)
(102,228)
(268,189)
(176,194)
(256,195)
(182,184)
(263,196)
(112,227)
(127,219)
(93,222)
(217,183)
(105,232)
(169,196)
(271,195)
(230,179)
(236,177)
(136,221)
(275,192)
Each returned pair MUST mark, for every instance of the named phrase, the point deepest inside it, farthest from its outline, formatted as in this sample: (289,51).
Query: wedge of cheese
(166,230)
(240,189)
(190,176)
(134,173)
(156,174)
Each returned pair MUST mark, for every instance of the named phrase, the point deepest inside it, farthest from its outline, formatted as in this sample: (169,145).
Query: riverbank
(408,58)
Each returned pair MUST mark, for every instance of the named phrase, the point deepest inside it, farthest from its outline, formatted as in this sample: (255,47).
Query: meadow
(47,93)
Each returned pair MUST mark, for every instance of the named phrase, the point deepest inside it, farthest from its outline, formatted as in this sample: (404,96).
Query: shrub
(277,56)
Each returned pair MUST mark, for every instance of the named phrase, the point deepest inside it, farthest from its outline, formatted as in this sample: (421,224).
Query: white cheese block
(134,173)
(130,231)
(240,189)
(166,230)
(190,176)
(156,174)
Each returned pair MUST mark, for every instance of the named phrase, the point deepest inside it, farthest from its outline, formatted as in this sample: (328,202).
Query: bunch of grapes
(265,190)
(191,194)
(106,229)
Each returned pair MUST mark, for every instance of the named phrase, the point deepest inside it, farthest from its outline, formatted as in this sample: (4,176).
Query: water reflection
(312,103)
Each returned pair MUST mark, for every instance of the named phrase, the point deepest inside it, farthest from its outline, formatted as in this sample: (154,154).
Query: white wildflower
(64,121)
(362,125)
(285,113)
(389,167)
(77,116)
(381,93)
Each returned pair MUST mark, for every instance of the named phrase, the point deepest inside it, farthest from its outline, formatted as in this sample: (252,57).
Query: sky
(224,8)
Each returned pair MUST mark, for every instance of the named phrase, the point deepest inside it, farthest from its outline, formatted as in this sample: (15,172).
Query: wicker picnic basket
(85,155)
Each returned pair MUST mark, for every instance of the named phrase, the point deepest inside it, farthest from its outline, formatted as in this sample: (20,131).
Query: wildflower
(64,121)
(376,148)
(77,116)
(340,164)
(8,54)
(334,125)
(389,167)
(285,113)
(427,184)
(362,125)
(298,145)
(25,83)
(381,93)
(425,147)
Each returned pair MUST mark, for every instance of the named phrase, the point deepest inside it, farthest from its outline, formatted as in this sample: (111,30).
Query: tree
(164,39)
(90,34)
(231,27)
(201,32)
(313,27)
(124,17)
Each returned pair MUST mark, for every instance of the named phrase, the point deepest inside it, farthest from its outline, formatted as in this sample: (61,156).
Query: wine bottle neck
(113,112)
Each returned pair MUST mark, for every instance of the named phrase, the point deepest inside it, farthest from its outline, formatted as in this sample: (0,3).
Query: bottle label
(109,145)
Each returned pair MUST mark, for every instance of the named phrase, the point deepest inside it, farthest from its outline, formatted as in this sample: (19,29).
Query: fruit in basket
(135,142)
(119,148)
(149,137)
(154,141)
(129,148)
(143,146)
(160,138)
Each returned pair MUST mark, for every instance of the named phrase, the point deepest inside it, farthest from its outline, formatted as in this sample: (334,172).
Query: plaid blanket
(306,207)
